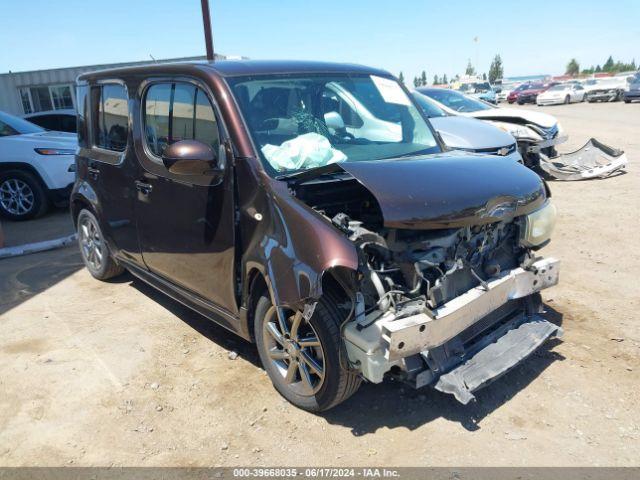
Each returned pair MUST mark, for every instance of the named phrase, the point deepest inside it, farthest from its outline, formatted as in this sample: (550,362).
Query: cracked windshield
(304,122)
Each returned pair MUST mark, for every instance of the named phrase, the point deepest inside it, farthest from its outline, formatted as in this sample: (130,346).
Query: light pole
(206,22)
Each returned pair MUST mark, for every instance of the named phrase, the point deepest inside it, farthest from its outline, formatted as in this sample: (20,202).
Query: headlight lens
(55,151)
(538,226)
(518,131)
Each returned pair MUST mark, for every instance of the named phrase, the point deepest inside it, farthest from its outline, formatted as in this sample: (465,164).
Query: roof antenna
(206,21)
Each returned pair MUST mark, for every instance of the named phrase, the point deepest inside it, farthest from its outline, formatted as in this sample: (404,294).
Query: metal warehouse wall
(11,82)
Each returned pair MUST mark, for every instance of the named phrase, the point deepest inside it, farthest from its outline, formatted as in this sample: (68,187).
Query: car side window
(7,130)
(178,111)
(111,117)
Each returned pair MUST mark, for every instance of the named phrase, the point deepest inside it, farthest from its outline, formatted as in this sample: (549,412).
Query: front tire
(22,196)
(93,248)
(304,359)
(567,100)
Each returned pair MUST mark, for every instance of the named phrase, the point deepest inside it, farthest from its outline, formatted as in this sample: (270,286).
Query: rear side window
(111,117)
(178,111)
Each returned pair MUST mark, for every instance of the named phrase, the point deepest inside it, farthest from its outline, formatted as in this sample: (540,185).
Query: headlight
(518,131)
(538,226)
(55,151)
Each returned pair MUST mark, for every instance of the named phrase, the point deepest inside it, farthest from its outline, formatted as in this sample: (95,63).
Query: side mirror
(334,120)
(190,157)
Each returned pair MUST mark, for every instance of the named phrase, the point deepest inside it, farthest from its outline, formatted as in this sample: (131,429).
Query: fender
(83,193)
(287,242)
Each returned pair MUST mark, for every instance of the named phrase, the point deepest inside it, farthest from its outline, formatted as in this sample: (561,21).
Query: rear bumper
(410,344)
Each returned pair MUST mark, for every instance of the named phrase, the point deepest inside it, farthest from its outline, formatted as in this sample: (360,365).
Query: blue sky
(436,36)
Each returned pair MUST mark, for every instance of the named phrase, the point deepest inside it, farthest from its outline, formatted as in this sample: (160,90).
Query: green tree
(470,70)
(598,69)
(608,65)
(573,67)
(496,70)
(423,78)
(401,78)
(436,80)
(484,76)
(445,81)
(416,82)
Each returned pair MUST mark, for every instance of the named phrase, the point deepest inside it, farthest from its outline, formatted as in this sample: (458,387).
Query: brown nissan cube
(310,208)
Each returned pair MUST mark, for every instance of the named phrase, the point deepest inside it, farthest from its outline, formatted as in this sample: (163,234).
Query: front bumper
(549,101)
(527,98)
(608,96)
(403,343)
(550,142)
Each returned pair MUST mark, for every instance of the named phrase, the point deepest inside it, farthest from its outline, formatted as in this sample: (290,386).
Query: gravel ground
(117,374)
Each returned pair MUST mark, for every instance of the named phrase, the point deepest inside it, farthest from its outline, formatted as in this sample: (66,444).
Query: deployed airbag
(305,151)
(594,160)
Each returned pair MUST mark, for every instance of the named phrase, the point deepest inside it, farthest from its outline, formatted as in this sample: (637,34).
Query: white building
(41,90)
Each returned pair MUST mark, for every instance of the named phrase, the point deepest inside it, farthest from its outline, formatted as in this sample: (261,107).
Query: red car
(531,92)
(513,95)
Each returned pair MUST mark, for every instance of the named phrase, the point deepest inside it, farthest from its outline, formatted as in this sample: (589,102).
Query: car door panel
(110,166)
(185,223)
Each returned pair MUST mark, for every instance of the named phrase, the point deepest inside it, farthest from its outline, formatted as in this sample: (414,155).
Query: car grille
(500,151)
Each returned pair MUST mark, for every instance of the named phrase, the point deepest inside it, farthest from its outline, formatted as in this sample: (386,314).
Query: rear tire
(93,248)
(22,196)
(285,360)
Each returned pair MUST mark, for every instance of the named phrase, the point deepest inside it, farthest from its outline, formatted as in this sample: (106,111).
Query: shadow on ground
(390,404)
(25,276)
(205,327)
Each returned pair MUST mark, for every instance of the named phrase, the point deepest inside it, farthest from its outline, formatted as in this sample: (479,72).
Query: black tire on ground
(567,100)
(620,95)
(106,267)
(338,383)
(626,100)
(22,196)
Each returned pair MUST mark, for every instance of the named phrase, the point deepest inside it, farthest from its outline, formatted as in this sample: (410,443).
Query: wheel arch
(26,167)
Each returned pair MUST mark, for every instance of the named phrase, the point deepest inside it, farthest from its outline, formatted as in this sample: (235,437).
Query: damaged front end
(449,298)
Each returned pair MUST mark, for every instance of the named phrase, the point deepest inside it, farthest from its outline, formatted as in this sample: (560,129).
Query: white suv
(37,168)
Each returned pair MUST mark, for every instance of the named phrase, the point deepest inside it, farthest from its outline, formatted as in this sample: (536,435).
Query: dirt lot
(116,374)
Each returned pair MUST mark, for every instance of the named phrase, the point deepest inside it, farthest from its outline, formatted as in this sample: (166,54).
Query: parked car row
(607,89)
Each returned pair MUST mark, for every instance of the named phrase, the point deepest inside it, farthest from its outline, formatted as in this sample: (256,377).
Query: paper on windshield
(390,91)
(305,151)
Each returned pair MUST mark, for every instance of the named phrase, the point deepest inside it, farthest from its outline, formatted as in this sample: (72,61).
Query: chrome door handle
(144,188)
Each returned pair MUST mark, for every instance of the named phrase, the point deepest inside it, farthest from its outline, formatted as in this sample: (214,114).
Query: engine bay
(410,269)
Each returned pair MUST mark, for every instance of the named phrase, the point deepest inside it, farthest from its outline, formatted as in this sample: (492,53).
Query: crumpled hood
(504,114)
(470,133)
(449,190)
